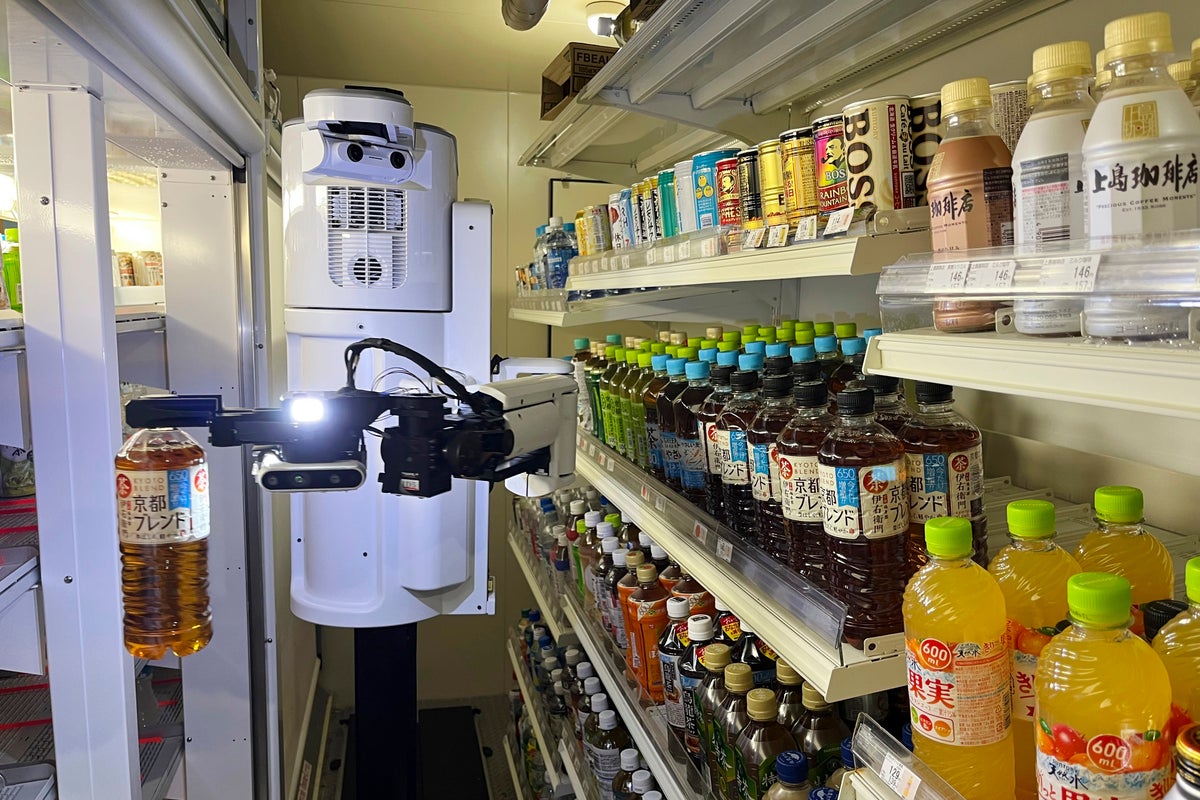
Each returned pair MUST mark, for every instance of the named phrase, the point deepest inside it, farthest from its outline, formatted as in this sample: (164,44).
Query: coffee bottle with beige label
(970,194)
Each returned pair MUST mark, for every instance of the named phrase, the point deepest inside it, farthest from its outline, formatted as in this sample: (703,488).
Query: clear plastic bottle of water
(560,248)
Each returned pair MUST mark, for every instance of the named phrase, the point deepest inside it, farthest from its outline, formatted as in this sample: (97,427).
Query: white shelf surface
(578,773)
(514,771)
(645,721)
(130,319)
(539,583)
(541,729)
(679,303)
(846,255)
(1159,380)
(799,622)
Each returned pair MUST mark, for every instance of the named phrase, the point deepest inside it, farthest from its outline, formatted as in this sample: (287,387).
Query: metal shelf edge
(535,716)
(551,608)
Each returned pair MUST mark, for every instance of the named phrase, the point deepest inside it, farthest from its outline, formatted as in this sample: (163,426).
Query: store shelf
(541,728)
(539,583)
(28,782)
(803,624)
(514,771)
(888,771)
(12,329)
(577,770)
(848,255)
(675,304)
(130,319)
(1158,380)
(21,627)
(677,778)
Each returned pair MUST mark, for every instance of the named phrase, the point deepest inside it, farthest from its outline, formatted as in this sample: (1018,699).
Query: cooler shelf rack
(537,717)
(547,599)
(802,623)
(577,771)
(513,770)
(679,303)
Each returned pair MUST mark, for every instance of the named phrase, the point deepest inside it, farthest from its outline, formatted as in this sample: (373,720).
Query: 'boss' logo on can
(859,155)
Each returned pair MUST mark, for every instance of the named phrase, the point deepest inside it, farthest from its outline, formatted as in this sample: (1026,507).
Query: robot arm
(519,430)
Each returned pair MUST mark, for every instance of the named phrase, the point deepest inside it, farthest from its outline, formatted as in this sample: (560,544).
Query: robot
(385,271)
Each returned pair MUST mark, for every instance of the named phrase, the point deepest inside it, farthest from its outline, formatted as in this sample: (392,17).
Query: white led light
(307,409)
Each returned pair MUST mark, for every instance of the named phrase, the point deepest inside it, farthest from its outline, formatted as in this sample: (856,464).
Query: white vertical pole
(70,336)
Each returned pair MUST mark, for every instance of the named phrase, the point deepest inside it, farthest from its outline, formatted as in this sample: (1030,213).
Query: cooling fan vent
(367,232)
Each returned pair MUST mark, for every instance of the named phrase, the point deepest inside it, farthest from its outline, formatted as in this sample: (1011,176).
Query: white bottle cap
(599,702)
(558,688)
(629,759)
(561,539)
(592,491)
(604,530)
(657,552)
(556,222)
(608,718)
(654,795)
(591,685)
(619,556)
(573,656)
(700,627)
(556,675)
(720,604)
(584,671)
(592,518)
(644,539)
(643,781)
(550,664)
(559,530)
(578,507)
(609,544)
(678,608)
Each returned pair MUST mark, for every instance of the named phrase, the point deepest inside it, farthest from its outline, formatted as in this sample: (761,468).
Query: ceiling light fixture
(601,15)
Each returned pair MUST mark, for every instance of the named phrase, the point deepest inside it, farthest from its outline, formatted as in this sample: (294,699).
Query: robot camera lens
(354,152)
(299,479)
(398,160)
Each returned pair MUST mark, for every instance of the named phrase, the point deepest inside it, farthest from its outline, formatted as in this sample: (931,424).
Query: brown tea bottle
(671,646)
(778,408)
(890,409)
(803,509)
(790,695)
(693,460)
(759,744)
(692,673)
(648,609)
(706,417)
(700,601)
(865,494)
(732,426)
(650,395)
(672,456)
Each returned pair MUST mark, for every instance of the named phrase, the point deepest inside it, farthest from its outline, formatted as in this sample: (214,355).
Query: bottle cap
(714,332)
(634,559)
(700,626)
(629,759)
(592,518)
(645,360)
(708,354)
(653,794)
(591,684)
(613,338)
(1031,519)
(946,537)
(550,663)
(802,337)
(825,344)
(647,573)
(678,608)
(883,384)
(556,676)
(929,393)
(609,544)
(823,328)
(766,330)
(778,365)
(963,94)
(812,698)
(715,657)
(1191,577)
(855,402)
(848,753)
(776,386)
(719,604)
(750,361)
(578,507)
(687,353)
(659,363)
(749,330)
(1181,71)
(573,656)
(610,352)
(853,346)
(845,330)
(631,356)
(599,702)
(776,349)
(744,380)
(696,370)
(786,676)
(727,358)
(604,530)
(738,677)
(805,371)
(582,343)
(619,353)
(728,347)
(811,394)
(731,336)
(658,349)
(1135,35)
(657,553)
(676,366)
(584,671)
(719,376)
(535,615)
(556,222)
(1061,60)
(792,767)
(559,689)
(805,325)
(1099,599)
(694,341)
(607,719)
(613,519)
(756,347)
(1158,613)
(1187,748)
(643,781)
(619,557)
(761,705)
(870,332)
(1119,504)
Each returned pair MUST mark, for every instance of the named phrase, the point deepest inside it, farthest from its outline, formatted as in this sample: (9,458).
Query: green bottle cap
(1031,519)
(749,330)
(580,527)
(673,350)
(766,330)
(786,335)
(1099,599)
(619,353)
(646,346)
(727,347)
(708,344)
(804,336)
(582,344)
(644,360)
(1191,577)
(688,353)
(948,537)
(788,324)
(694,341)
(631,357)
(806,326)
(731,336)
(1119,504)
(824,329)
(658,349)
(844,330)
(610,352)
(614,338)
(613,519)
(748,338)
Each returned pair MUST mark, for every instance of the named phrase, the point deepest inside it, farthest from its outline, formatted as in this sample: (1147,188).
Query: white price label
(579,438)
(700,532)
(899,778)
(991,274)
(625,261)
(612,464)
(600,459)
(668,254)
(777,236)
(645,493)
(947,276)
(725,550)
(651,256)
(839,222)
(660,502)
(684,250)
(591,449)
(752,240)
(806,229)
(1070,273)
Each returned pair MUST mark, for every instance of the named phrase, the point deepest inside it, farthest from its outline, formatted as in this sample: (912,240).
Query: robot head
(364,134)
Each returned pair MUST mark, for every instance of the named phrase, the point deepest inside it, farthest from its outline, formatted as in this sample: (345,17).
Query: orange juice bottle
(648,609)
(1178,645)
(1032,573)
(1121,545)
(1103,701)
(959,666)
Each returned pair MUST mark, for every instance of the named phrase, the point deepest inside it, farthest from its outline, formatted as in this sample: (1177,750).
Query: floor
(493,721)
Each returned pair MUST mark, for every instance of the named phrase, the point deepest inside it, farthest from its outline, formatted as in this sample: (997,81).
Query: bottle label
(722,756)
(1081,778)
(164,506)
(731,625)
(712,446)
(867,502)
(693,714)
(670,454)
(617,619)
(627,424)
(652,620)
(945,484)
(1131,195)
(960,692)
(799,481)
(735,462)
(971,211)
(606,763)
(692,468)
(654,445)
(583,403)
(607,416)
(753,784)
(1050,199)
(672,691)
(557,259)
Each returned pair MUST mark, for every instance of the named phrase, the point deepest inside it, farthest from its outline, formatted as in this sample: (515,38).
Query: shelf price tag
(645,493)
(684,249)
(806,230)
(625,261)
(612,464)
(948,276)
(899,778)
(1070,273)
(700,532)
(991,274)
(591,449)
(839,222)
(668,254)
(752,240)
(777,236)
(660,502)
(651,256)
(725,550)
